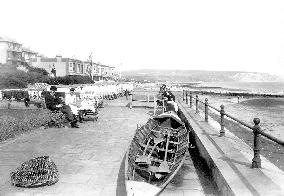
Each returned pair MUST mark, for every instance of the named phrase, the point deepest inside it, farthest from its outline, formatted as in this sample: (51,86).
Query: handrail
(237,93)
(214,108)
(256,128)
(276,140)
(239,121)
(247,125)
(208,105)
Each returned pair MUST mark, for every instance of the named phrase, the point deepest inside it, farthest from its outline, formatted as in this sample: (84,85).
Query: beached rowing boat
(156,153)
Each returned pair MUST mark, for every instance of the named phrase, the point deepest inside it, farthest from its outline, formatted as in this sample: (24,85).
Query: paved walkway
(90,159)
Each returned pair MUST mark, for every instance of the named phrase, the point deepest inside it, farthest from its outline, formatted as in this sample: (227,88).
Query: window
(79,68)
(71,66)
(9,54)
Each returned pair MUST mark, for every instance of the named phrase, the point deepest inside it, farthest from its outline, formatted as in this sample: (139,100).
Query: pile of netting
(36,172)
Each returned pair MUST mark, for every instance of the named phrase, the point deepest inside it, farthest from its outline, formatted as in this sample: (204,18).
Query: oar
(143,159)
(164,167)
(156,142)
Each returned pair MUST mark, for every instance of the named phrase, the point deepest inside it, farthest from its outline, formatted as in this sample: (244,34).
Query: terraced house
(59,66)
(12,52)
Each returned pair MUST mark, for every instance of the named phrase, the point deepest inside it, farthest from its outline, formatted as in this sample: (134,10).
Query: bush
(16,122)
(10,77)
(20,79)
(41,71)
(17,94)
(69,80)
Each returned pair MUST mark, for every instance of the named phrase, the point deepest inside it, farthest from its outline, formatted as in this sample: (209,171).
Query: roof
(7,39)
(25,49)
(105,66)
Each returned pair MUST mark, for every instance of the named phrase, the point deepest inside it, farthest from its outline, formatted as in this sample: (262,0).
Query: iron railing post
(183,95)
(222,113)
(197,111)
(131,101)
(256,161)
(206,110)
(190,99)
(186,98)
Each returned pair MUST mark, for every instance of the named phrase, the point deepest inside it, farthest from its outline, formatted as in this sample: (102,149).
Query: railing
(237,94)
(148,100)
(256,161)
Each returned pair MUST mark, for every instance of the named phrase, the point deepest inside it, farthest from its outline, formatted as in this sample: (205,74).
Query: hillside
(198,75)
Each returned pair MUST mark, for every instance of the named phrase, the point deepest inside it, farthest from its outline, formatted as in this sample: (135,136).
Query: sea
(251,87)
(271,115)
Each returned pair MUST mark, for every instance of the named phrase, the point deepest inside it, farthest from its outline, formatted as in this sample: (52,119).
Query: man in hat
(54,103)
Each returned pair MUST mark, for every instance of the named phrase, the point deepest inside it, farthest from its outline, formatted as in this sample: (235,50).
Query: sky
(222,35)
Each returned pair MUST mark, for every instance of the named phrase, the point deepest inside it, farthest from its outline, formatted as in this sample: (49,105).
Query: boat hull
(136,188)
(164,142)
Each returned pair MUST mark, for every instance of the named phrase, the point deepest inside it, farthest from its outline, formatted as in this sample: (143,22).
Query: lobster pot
(36,172)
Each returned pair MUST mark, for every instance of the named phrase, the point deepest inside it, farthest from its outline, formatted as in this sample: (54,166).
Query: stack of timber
(156,153)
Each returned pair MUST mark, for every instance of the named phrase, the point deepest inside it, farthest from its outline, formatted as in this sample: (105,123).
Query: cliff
(197,75)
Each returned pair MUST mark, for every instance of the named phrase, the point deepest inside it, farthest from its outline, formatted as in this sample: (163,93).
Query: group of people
(85,100)
(168,97)
(55,103)
(71,106)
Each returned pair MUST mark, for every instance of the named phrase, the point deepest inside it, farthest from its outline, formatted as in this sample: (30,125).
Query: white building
(12,52)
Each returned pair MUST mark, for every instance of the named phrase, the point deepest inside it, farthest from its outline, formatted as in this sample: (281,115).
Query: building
(12,52)
(59,66)
(28,54)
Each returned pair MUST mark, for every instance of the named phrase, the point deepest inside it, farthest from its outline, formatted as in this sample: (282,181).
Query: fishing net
(36,172)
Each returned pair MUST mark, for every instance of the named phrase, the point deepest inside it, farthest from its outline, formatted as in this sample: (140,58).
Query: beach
(270,111)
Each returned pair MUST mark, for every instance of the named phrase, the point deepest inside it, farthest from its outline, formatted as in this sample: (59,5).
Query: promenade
(90,159)
(229,159)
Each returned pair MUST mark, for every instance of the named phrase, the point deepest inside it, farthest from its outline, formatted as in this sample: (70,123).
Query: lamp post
(91,65)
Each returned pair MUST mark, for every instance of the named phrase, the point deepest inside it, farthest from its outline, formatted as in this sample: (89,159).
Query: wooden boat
(156,153)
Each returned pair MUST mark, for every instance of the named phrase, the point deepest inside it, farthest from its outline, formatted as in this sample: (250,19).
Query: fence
(256,161)
(139,96)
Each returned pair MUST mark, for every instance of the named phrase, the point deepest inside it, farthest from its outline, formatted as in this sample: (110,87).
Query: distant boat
(156,153)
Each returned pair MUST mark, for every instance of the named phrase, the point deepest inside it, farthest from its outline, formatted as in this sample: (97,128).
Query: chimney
(58,58)
(38,58)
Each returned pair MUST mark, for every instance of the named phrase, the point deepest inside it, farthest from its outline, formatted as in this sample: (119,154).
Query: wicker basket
(36,172)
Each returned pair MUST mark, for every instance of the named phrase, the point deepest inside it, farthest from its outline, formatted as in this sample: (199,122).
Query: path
(90,159)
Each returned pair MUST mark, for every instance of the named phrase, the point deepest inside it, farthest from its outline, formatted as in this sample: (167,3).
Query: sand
(264,102)
(270,111)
